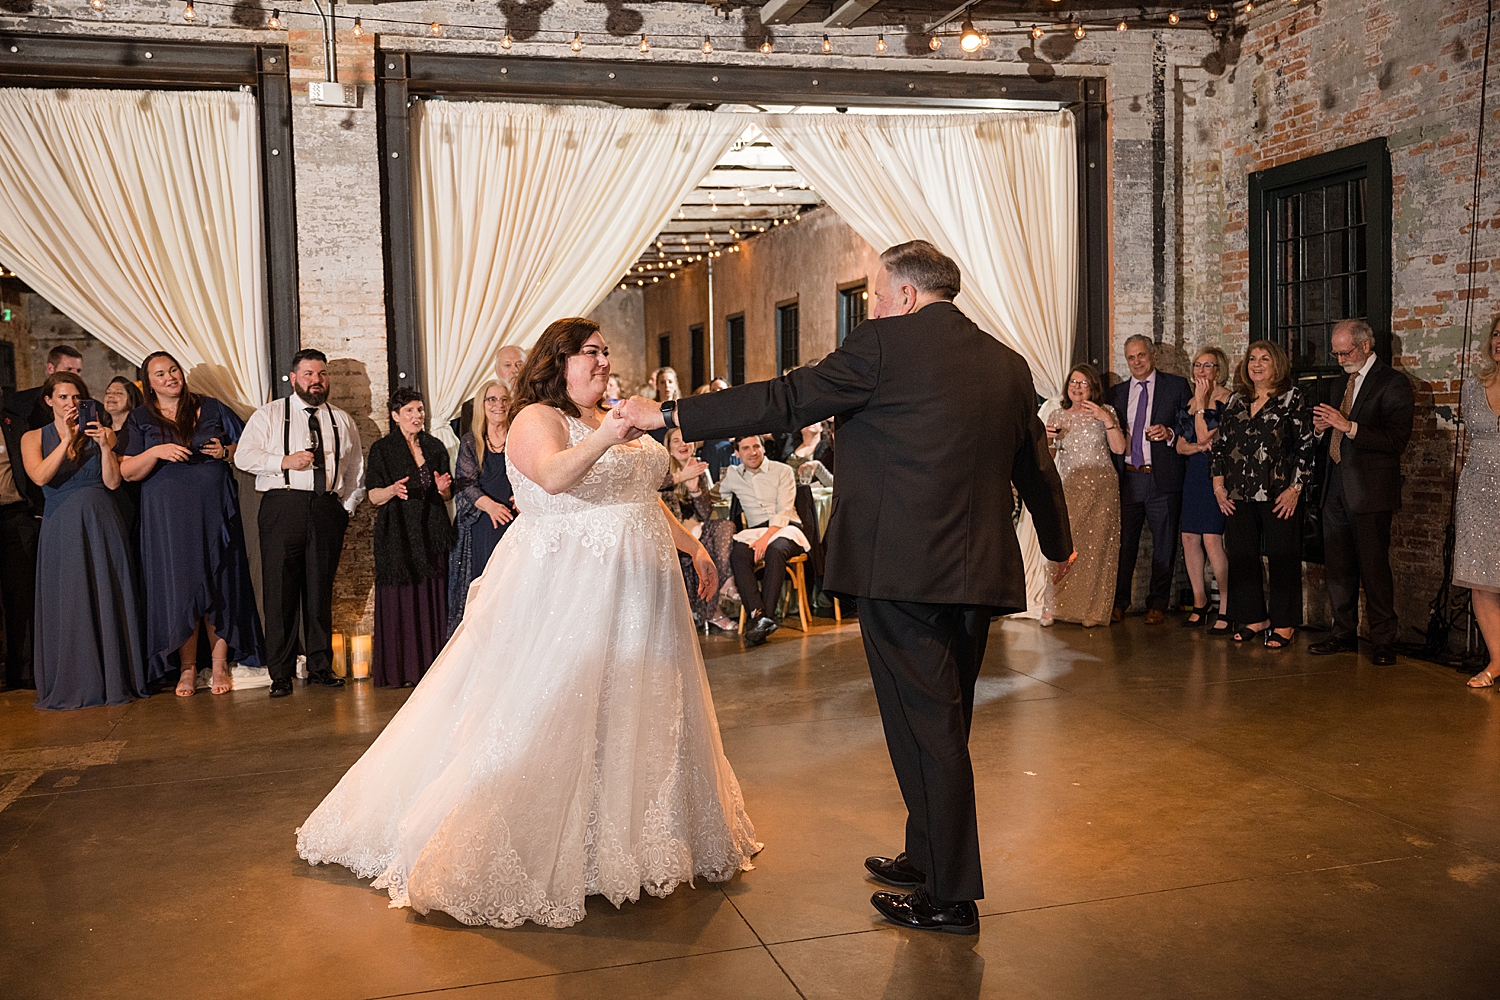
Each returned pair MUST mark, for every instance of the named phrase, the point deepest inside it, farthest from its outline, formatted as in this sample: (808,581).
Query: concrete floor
(1162,816)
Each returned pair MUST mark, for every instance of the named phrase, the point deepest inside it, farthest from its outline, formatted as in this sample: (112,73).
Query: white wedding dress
(564,742)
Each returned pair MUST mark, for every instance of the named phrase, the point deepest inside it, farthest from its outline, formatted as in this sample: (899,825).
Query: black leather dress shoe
(759,630)
(897,871)
(1383,656)
(326,678)
(916,911)
(1328,646)
(281,688)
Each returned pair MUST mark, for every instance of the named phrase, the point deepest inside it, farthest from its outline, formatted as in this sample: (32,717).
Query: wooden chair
(797,576)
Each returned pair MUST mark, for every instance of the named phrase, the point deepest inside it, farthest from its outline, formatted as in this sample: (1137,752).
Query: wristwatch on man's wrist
(669,414)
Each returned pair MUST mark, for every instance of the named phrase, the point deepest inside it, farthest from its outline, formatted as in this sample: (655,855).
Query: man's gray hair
(1143,339)
(1358,329)
(924,267)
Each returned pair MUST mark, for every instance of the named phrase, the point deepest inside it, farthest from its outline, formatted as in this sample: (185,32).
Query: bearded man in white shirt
(308,464)
(767,492)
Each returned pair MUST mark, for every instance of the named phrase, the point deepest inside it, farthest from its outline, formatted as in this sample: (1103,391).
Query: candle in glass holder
(362,652)
(340,660)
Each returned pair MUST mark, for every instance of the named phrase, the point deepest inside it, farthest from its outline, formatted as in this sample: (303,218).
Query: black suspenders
(286,445)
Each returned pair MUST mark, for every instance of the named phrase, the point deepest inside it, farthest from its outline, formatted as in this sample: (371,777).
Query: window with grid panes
(1321,272)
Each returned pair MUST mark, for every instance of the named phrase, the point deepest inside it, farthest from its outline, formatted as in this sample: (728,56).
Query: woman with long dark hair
(193,562)
(564,744)
(408,479)
(88,641)
(121,398)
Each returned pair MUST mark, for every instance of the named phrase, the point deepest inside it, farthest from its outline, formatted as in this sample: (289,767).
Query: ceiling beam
(848,12)
(781,11)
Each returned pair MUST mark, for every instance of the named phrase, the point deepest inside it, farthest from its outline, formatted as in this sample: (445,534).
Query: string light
(188,13)
(1037,31)
(1122,26)
(827,45)
(1213,15)
(645,46)
(1172,18)
(1079,32)
(435,28)
(97,4)
(274,22)
(879,39)
(934,43)
(358,29)
(708,46)
(968,38)
(765,47)
(505,43)
(577,43)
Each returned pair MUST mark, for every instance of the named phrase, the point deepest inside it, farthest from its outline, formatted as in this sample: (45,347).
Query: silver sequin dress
(1092,488)
(1476,551)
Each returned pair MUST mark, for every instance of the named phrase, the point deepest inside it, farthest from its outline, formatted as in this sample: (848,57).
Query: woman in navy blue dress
(193,561)
(88,648)
(483,499)
(1202,520)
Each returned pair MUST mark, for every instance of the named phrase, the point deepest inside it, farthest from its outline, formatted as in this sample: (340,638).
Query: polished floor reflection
(1162,816)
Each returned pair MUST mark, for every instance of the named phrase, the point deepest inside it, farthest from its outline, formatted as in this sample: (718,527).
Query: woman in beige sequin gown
(1084,431)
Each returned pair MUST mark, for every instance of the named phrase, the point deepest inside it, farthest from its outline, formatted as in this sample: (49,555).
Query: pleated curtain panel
(529,213)
(138,214)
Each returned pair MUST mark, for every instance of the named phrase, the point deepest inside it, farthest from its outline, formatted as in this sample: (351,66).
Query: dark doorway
(736,327)
(788,338)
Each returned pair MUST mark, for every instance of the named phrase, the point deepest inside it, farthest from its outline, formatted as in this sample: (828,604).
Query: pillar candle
(362,649)
(340,660)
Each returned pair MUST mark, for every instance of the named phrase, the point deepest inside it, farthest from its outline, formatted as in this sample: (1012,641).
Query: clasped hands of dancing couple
(564,742)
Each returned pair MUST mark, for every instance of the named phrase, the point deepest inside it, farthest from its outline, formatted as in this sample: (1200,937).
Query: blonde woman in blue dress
(564,743)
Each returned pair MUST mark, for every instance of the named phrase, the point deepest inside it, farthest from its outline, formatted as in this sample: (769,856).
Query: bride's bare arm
(708,574)
(538,444)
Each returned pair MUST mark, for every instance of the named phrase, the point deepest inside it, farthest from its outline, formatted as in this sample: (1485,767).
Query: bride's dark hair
(544,378)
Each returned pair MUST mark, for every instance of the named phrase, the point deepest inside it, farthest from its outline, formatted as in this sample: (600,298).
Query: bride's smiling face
(588,372)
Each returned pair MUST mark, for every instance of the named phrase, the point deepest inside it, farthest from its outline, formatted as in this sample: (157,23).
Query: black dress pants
(1252,530)
(1357,549)
(1141,503)
(19,530)
(765,594)
(301,538)
(924,661)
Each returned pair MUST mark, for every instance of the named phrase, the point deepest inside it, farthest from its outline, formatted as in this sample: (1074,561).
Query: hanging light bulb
(577,43)
(1122,26)
(934,43)
(1172,18)
(97,4)
(188,13)
(435,28)
(358,29)
(1249,7)
(505,43)
(1079,32)
(1037,31)
(645,46)
(880,42)
(827,45)
(274,21)
(708,46)
(984,39)
(1213,15)
(765,47)
(968,38)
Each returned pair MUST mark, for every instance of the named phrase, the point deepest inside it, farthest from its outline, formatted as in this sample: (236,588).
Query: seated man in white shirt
(768,494)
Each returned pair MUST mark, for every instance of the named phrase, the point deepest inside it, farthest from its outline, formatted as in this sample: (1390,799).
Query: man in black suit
(20,526)
(936,421)
(1365,436)
(1149,404)
(27,404)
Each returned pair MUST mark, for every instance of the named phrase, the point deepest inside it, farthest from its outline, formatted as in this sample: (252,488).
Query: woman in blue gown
(88,642)
(193,560)
(484,504)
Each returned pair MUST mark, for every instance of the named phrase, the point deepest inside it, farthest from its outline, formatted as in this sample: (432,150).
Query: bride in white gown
(564,742)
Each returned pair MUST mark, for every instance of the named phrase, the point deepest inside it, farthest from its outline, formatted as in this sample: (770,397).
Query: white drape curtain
(997,193)
(138,214)
(527,213)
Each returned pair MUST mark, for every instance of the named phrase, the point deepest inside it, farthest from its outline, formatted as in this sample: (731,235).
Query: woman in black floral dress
(1260,463)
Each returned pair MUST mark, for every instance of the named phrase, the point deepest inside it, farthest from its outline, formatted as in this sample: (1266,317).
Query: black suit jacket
(30,407)
(1370,463)
(1167,405)
(936,421)
(13,427)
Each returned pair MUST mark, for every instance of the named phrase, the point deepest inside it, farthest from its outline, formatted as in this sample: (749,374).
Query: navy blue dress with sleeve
(193,560)
(1200,510)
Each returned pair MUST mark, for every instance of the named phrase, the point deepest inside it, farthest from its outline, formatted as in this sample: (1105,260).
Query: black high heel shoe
(1248,634)
(1201,614)
(1223,620)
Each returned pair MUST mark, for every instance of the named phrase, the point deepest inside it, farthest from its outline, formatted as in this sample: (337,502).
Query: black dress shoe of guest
(896,871)
(1328,646)
(327,678)
(1383,656)
(281,688)
(759,630)
(916,910)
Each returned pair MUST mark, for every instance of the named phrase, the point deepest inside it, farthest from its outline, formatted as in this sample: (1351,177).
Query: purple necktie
(1138,428)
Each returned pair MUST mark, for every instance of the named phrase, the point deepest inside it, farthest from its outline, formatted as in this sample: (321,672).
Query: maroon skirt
(411,625)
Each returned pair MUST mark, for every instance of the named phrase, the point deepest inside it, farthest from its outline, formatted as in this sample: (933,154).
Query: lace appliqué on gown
(564,743)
